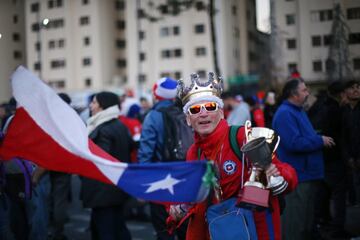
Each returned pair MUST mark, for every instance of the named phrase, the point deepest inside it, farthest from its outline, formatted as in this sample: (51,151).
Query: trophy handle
(247,130)
(277,143)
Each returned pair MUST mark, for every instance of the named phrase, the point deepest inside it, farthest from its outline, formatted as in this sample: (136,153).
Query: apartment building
(305,32)
(12,42)
(81,46)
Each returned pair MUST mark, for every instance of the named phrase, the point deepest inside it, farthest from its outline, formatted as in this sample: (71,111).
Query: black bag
(178,136)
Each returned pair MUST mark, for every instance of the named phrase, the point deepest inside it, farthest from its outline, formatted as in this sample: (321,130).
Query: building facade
(12,42)
(306,35)
(91,45)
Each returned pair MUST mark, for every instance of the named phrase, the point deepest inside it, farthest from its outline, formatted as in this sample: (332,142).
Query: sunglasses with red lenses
(209,107)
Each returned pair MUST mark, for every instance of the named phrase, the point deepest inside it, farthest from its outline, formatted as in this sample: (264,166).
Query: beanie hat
(107,99)
(165,88)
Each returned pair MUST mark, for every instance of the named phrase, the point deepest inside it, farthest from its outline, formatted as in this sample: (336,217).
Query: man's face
(353,92)
(301,95)
(205,121)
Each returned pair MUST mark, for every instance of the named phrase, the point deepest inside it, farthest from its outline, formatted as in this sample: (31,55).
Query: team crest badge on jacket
(229,167)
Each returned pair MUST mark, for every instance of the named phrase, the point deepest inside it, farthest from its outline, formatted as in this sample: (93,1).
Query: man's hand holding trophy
(264,178)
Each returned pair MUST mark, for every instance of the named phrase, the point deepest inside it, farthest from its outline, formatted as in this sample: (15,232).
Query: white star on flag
(167,183)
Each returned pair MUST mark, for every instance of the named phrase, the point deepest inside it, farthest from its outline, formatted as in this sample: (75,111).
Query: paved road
(77,228)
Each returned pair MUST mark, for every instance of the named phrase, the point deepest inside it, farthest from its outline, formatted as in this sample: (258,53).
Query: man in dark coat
(107,201)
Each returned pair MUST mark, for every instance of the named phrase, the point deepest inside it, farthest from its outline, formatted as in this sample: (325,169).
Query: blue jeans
(38,210)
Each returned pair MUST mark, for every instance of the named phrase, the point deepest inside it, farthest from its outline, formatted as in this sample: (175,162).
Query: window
(164,9)
(164,74)
(176,30)
(121,63)
(354,38)
(16,37)
(292,66)
(120,24)
(290,19)
(178,52)
(317,66)
(141,35)
(199,28)
(291,43)
(177,75)
(57,84)
(51,44)
(234,10)
(57,64)
(328,40)
(141,13)
(165,54)
(61,43)
(321,15)
(119,4)
(142,56)
(353,13)
(199,5)
(142,78)
(35,27)
(37,46)
(55,3)
(316,41)
(55,23)
(200,51)
(120,43)
(84,20)
(50,4)
(87,82)
(164,31)
(37,66)
(86,61)
(86,41)
(202,73)
(15,19)
(34,7)
(17,55)
(356,63)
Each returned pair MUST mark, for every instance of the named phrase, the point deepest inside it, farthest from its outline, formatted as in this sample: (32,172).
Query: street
(77,228)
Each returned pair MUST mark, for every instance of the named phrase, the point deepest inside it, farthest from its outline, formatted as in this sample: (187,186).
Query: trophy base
(253,198)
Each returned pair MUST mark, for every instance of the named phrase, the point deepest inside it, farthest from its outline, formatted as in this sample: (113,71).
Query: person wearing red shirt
(204,111)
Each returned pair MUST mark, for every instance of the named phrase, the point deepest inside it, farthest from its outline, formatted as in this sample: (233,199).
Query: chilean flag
(46,131)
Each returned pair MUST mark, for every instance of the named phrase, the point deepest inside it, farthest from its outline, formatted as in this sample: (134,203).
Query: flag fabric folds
(46,131)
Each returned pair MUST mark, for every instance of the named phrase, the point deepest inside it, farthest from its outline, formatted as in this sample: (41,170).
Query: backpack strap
(234,143)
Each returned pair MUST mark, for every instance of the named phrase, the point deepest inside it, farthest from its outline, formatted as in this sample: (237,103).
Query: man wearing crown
(204,113)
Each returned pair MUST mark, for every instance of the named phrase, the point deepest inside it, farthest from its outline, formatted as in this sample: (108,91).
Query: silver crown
(198,87)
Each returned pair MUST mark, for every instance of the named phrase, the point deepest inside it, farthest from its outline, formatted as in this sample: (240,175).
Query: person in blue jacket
(152,144)
(301,147)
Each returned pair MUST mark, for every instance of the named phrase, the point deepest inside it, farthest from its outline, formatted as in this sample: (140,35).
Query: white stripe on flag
(58,120)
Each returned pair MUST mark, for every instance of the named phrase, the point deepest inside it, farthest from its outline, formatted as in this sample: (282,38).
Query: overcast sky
(263,15)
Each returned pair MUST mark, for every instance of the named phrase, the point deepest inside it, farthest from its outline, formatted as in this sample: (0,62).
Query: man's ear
(221,113)
(188,120)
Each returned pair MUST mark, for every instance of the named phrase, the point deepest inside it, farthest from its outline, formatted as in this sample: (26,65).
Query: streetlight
(42,24)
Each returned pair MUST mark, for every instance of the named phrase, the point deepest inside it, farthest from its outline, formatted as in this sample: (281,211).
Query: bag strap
(233,141)
(26,168)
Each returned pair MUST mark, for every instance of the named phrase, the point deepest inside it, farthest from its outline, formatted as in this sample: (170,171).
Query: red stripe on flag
(25,139)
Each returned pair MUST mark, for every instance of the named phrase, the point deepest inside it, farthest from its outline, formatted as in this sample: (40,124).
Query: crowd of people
(318,157)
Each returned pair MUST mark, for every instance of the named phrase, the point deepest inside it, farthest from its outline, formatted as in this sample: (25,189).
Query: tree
(337,64)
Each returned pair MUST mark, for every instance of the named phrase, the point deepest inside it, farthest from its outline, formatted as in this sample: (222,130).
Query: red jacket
(230,169)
